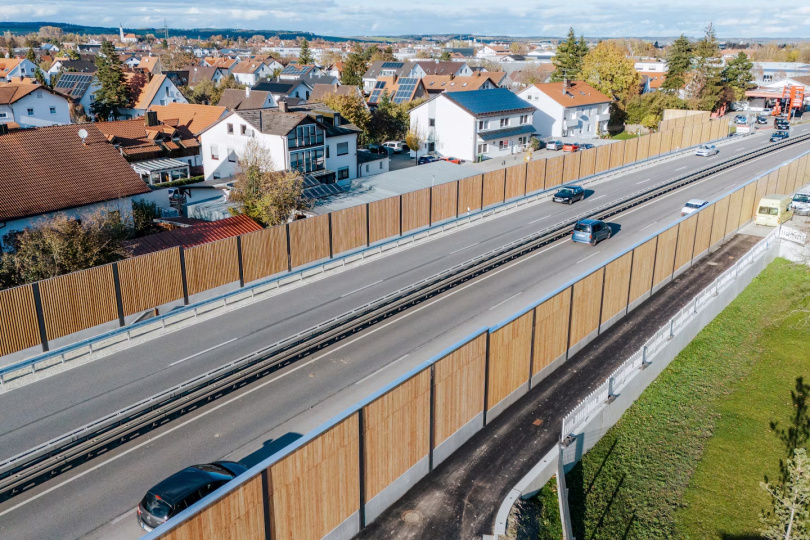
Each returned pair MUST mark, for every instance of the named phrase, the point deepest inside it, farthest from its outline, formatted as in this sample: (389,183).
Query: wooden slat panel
(554,171)
(617,285)
(571,167)
(643,151)
(773,179)
(617,154)
(152,280)
(717,129)
(536,175)
(734,206)
(211,265)
(630,150)
(643,266)
(509,356)
(349,228)
(706,132)
(237,516)
(602,158)
(317,487)
(551,329)
(782,179)
(587,297)
(655,144)
(719,222)
(666,142)
(67,307)
(309,240)
(677,139)
(493,187)
(793,177)
(443,201)
(515,181)
(665,254)
(746,211)
(383,219)
(18,320)
(458,388)
(587,164)
(689,138)
(396,429)
(264,253)
(686,241)
(469,194)
(703,236)
(415,210)
(762,190)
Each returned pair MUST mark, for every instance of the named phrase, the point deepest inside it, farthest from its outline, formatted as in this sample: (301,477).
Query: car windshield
(155,506)
(582,227)
(800,197)
(693,205)
(768,211)
(565,192)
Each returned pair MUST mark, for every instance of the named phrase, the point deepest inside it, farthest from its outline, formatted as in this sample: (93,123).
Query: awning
(508,132)
(158,165)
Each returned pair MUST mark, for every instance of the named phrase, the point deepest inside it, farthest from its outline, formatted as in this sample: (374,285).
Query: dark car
(779,135)
(182,489)
(426,159)
(586,146)
(590,231)
(569,195)
(379,149)
(781,124)
(762,119)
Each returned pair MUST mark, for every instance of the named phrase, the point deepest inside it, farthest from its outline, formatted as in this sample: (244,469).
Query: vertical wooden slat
(666,142)
(19,328)
(554,171)
(706,132)
(746,211)
(571,167)
(762,190)
(630,150)
(654,144)
(643,267)
(349,228)
(551,329)
(415,210)
(383,219)
(443,201)
(587,297)
(686,241)
(493,187)
(719,223)
(515,181)
(665,255)
(643,151)
(509,354)
(677,139)
(536,175)
(617,154)
(587,164)
(66,306)
(469,194)
(211,265)
(734,206)
(703,236)
(602,158)
(782,179)
(151,280)
(617,285)
(309,240)
(773,181)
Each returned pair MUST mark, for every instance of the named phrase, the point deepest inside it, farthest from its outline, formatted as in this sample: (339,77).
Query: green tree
(445,56)
(415,138)
(738,75)
(143,215)
(352,108)
(74,55)
(797,433)
(679,62)
(31,55)
(790,517)
(704,84)
(389,121)
(353,70)
(652,105)
(305,57)
(164,44)
(569,58)
(608,69)
(113,94)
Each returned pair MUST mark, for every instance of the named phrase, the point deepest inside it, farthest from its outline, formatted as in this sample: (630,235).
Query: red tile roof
(194,235)
(11,92)
(578,93)
(49,169)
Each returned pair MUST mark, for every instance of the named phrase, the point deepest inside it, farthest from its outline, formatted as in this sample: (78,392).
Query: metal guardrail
(49,456)
(627,370)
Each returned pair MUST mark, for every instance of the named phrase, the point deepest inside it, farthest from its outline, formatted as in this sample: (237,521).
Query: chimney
(247,91)
(151,118)
(282,106)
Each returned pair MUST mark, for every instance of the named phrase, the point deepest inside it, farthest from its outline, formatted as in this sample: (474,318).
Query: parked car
(554,145)
(570,147)
(693,205)
(591,231)
(396,146)
(586,146)
(455,160)
(741,119)
(569,195)
(706,150)
(426,159)
(779,135)
(379,149)
(762,119)
(182,489)
(801,203)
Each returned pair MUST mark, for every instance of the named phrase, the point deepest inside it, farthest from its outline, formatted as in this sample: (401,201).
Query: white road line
(466,247)
(386,366)
(505,301)
(648,226)
(681,168)
(594,198)
(361,288)
(538,219)
(645,181)
(203,352)
(589,256)
(122,516)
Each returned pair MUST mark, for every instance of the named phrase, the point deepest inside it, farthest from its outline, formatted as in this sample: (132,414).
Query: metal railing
(791,234)
(630,367)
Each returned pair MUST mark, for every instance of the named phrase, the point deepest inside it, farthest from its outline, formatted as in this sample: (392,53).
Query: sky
(595,18)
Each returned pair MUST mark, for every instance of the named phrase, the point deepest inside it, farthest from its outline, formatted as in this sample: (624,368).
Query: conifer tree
(113,94)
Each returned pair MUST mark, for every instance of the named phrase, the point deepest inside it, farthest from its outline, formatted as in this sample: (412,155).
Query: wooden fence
(135,285)
(343,475)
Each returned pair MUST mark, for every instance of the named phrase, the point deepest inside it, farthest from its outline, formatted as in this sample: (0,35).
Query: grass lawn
(624,136)
(640,480)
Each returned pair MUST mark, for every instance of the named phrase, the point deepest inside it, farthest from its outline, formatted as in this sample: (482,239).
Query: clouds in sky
(595,18)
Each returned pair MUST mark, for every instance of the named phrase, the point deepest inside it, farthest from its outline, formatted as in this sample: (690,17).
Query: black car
(586,146)
(779,135)
(569,195)
(182,489)
(426,159)
(781,124)
(762,119)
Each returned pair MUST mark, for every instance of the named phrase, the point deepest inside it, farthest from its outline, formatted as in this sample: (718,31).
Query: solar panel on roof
(310,182)
(377,92)
(323,190)
(406,88)
(392,65)
(295,70)
(72,84)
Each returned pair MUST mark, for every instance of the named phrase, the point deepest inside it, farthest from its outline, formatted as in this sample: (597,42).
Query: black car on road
(762,119)
(569,195)
(779,135)
(182,489)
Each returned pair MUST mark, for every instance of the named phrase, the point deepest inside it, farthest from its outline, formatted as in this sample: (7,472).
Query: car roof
(588,221)
(181,484)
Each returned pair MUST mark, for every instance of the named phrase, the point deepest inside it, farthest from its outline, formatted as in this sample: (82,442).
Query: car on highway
(586,146)
(591,231)
(570,147)
(706,150)
(693,205)
(741,119)
(569,195)
(779,135)
(554,145)
(396,146)
(426,159)
(781,123)
(182,489)
(762,119)
(455,160)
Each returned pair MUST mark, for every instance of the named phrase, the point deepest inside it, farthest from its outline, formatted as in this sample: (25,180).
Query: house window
(343,173)
(230,129)
(214,152)
(503,145)
(524,119)
(30,112)
(482,124)
(366,167)
(327,151)
(39,94)
(342,148)
(522,140)
(307,160)
(504,122)
(231,155)
(380,164)
(482,148)
(432,122)
(53,110)
(3,115)
(767,78)
(242,129)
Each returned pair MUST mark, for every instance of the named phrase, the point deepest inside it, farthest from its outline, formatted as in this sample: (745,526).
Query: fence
(363,460)
(114,295)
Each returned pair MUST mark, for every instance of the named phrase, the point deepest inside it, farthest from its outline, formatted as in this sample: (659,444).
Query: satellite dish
(82,134)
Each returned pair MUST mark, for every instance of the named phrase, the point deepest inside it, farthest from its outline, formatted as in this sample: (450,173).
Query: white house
(79,87)
(651,66)
(32,105)
(14,68)
(158,91)
(473,125)
(280,88)
(575,110)
(250,72)
(371,164)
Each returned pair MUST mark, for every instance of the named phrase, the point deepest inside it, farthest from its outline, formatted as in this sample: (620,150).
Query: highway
(255,421)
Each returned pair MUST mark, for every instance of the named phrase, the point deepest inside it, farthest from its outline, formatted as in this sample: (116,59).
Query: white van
(774,210)
(801,203)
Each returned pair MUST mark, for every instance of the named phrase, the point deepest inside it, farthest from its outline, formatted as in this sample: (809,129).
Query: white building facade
(577,110)
(34,106)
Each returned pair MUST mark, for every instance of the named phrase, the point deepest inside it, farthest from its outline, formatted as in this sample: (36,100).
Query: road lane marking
(681,168)
(505,301)
(594,198)
(589,256)
(466,247)
(645,181)
(361,288)
(203,352)
(386,366)
(538,219)
(648,226)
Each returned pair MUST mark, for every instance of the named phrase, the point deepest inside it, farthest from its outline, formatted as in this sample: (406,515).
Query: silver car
(554,145)
(706,150)
(801,203)
(693,205)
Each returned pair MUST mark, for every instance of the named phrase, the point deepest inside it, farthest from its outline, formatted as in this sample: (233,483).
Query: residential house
(189,232)
(197,74)
(289,88)
(70,169)
(492,50)
(651,81)
(380,69)
(29,104)
(129,60)
(336,70)
(224,63)
(296,72)
(16,68)
(512,58)
(479,124)
(651,65)
(79,88)
(160,90)
(250,72)
(372,164)
(70,66)
(150,65)
(436,84)
(767,72)
(195,118)
(386,71)
(574,109)
(236,99)
(398,90)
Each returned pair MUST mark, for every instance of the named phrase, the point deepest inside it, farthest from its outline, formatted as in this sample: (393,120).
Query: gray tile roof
(235,99)
(273,122)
